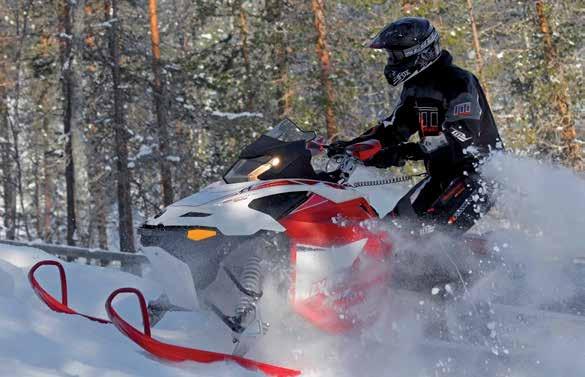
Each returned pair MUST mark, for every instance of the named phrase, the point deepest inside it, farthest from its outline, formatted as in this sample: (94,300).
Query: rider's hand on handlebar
(389,156)
(337,148)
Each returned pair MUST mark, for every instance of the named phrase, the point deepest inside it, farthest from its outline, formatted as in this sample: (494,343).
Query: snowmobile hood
(211,193)
(225,207)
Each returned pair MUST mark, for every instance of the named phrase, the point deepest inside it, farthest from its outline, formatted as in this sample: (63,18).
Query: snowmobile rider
(448,108)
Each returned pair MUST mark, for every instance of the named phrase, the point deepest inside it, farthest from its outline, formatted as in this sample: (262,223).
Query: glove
(389,156)
(411,151)
(337,148)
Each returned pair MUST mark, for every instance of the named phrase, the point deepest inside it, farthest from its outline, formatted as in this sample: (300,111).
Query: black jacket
(447,107)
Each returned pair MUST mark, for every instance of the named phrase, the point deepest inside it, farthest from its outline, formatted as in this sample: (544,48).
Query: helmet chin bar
(395,77)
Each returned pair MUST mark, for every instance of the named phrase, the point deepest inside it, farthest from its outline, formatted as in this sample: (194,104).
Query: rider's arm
(461,128)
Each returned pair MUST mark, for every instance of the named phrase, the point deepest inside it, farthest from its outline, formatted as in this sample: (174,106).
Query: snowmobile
(273,214)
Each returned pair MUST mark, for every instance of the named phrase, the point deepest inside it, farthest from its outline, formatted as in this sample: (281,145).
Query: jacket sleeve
(395,129)
(461,128)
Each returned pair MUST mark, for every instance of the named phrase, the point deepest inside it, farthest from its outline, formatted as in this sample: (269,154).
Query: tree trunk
(8,184)
(572,151)
(160,108)
(274,16)
(70,112)
(477,47)
(240,13)
(98,185)
(78,138)
(48,191)
(318,7)
(101,216)
(126,227)
(37,184)
(15,124)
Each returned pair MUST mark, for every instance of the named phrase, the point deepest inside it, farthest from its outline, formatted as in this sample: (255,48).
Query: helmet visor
(398,61)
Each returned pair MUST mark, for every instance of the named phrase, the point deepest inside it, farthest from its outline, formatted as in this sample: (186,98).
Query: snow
(35,341)
(173,158)
(232,116)
(145,150)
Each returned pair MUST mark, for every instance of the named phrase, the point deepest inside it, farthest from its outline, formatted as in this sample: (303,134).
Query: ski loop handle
(387,181)
(42,293)
(117,320)
(54,304)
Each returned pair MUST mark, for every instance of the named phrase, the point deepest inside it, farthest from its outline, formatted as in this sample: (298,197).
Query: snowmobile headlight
(272,163)
(196,234)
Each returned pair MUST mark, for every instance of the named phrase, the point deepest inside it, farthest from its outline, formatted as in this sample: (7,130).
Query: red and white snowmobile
(273,217)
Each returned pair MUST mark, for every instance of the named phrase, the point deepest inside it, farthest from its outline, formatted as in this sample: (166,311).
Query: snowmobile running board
(164,351)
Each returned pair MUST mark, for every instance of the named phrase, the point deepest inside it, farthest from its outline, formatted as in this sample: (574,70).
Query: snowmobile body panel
(227,207)
(335,261)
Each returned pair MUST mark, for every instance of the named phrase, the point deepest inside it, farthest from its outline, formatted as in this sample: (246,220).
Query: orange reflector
(200,234)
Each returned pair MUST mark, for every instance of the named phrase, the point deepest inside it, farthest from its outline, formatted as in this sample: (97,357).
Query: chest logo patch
(462,109)
(428,121)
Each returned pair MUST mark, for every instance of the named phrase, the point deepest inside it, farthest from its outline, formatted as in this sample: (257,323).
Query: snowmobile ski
(144,339)
(172,352)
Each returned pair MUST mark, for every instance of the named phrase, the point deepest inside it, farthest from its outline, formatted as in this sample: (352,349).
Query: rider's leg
(464,200)
(430,218)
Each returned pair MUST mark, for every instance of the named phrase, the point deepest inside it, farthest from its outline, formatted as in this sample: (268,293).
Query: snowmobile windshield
(279,153)
(287,131)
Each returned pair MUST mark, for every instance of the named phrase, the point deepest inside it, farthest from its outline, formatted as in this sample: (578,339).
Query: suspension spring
(251,281)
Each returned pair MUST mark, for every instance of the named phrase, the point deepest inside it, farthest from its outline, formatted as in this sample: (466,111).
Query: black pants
(450,205)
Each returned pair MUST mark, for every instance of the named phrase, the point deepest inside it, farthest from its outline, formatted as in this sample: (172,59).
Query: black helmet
(412,44)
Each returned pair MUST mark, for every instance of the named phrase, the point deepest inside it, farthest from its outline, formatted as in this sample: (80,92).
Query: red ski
(165,351)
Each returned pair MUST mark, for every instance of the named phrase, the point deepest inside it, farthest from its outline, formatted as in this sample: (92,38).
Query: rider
(448,108)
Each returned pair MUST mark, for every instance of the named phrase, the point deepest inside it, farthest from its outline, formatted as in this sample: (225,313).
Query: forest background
(112,109)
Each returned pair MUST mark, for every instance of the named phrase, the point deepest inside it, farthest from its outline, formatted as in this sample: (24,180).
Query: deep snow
(35,341)
(538,219)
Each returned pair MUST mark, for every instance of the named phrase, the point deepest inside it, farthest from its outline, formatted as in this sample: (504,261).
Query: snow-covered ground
(35,341)
(543,204)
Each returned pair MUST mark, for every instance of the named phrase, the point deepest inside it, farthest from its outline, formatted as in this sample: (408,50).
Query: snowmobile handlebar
(363,150)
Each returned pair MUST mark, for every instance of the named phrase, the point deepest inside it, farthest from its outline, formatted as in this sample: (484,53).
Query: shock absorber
(246,323)
(250,286)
